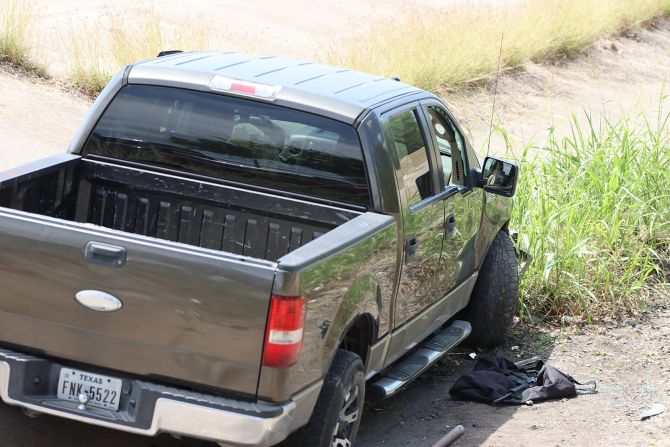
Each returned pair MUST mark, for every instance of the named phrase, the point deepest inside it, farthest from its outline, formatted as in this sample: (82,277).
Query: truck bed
(192,263)
(168,207)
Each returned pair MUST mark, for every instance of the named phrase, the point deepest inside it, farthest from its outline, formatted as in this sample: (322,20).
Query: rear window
(233,139)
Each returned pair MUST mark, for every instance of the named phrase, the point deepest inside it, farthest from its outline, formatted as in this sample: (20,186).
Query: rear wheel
(338,411)
(495,297)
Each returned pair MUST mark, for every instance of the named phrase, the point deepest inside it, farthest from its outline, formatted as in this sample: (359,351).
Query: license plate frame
(102,391)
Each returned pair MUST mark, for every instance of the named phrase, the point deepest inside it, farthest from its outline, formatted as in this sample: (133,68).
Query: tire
(495,297)
(339,408)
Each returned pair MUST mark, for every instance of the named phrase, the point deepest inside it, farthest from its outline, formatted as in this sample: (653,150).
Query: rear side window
(411,148)
(233,139)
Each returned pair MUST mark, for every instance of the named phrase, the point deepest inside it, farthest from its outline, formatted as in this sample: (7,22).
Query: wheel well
(360,335)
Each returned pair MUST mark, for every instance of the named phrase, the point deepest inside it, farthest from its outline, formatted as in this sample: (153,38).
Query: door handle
(411,246)
(449,226)
(105,254)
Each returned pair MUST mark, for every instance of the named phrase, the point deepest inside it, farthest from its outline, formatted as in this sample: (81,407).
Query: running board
(410,367)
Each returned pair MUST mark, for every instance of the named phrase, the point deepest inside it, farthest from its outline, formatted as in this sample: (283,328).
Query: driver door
(463,206)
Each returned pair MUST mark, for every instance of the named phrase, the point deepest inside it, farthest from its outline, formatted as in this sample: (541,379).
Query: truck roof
(334,92)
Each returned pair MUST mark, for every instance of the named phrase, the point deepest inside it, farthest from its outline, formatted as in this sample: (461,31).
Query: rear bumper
(149,409)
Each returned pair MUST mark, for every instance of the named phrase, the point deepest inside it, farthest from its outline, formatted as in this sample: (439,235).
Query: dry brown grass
(432,49)
(145,36)
(16,19)
(86,62)
(454,46)
(96,52)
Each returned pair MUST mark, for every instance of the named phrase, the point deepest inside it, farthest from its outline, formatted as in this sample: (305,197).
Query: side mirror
(499,176)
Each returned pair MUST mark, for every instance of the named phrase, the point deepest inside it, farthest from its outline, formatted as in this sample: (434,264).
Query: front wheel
(495,297)
(338,411)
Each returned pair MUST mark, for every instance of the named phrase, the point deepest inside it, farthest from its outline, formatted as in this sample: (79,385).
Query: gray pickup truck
(242,249)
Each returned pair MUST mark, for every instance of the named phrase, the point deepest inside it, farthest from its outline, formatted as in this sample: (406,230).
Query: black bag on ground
(496,380)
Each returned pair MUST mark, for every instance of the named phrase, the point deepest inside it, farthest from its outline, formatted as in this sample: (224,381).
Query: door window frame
(434,165)
(436,149)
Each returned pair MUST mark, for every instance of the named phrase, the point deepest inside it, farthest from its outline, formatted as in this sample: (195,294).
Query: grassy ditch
(593,210)
(15,22)
(459,45)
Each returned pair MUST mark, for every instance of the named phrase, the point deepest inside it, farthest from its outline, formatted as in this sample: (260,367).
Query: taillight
(283,335)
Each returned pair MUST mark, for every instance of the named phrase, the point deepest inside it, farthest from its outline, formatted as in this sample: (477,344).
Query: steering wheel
(275,136)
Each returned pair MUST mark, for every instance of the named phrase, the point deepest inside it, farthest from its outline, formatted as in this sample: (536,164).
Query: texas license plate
(100,391)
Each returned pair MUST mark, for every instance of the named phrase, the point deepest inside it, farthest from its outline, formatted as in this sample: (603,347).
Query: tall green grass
(593,211)
(459,43)
(15,24)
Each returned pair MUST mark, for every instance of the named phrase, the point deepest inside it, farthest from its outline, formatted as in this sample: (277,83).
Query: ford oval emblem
(98,301)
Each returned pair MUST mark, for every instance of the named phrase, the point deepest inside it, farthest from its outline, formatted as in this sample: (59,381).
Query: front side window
(450,144)
(233,139)
(413,156)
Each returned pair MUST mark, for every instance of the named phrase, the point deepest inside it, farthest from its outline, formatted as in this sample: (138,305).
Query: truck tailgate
(190,314)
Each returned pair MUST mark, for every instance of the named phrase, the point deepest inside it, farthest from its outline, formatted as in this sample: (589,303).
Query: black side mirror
(500,176)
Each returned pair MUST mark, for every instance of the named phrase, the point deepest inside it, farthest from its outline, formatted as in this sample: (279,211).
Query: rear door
(188,314)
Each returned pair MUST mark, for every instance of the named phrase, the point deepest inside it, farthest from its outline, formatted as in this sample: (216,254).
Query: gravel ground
(628,360)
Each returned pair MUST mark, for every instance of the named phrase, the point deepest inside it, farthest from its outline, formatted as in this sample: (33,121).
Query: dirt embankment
(615,78)
(299,28)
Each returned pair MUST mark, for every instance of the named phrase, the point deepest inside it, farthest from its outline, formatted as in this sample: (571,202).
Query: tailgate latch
(105,254)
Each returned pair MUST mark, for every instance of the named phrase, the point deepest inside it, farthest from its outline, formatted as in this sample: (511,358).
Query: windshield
(233,139)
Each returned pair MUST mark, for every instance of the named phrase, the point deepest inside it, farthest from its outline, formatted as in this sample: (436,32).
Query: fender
(338,286)
(362,300)
(325,329)
(495,217)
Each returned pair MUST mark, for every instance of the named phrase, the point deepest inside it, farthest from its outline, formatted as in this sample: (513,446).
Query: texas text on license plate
(101,391)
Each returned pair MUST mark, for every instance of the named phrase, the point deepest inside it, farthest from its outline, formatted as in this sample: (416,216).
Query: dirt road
(36,119)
